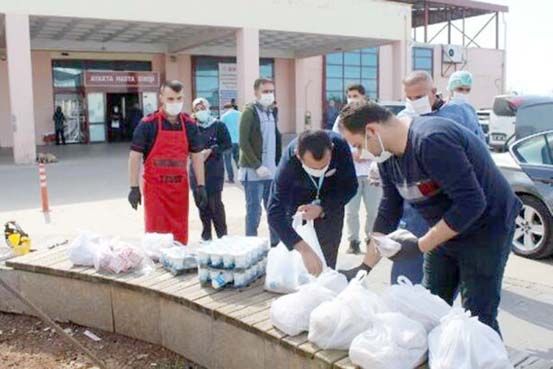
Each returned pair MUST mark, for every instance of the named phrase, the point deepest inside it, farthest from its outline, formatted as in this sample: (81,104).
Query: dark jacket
(292,187)
(251,139)
(217,138)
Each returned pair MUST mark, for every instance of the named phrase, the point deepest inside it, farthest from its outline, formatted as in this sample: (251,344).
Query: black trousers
(214,214)
(329,233)
(60,136)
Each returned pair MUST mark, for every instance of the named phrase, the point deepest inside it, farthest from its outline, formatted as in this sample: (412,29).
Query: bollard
(43,187)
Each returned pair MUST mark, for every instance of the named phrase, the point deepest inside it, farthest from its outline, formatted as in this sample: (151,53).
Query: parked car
(515,117)
(393,106)
(528,166)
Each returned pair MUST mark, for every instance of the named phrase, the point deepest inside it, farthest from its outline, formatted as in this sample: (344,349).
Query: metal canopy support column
(448,25)
(425,21)
(497,30)
(463,32)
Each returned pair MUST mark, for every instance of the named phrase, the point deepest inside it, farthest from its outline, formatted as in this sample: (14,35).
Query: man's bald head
(418,84)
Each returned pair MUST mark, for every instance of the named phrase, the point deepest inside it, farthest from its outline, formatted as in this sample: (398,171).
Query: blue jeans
(475,268)
(411,268)
(257,191)
(229,156)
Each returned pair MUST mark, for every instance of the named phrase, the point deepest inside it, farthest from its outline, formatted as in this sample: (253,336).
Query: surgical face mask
(203,115)
(367,155)
(267,99)
(419,106)
(460,96)
(116,109)
(315,172)
(352,100)
(174,108)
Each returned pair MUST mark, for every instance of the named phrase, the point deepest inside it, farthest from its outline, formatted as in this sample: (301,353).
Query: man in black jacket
(316,177)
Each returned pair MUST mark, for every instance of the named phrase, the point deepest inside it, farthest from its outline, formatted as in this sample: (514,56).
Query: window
(534,151)
(353,67)
(206,77)
(68,73)
(423,59)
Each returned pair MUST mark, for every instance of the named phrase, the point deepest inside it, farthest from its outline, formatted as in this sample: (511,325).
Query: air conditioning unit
(453,54)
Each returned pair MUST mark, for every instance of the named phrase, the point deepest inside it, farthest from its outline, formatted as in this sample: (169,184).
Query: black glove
(352,273)
(135,198)
(200,197)
(409,245)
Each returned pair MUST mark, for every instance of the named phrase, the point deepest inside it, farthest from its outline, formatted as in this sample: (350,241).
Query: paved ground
(88,190)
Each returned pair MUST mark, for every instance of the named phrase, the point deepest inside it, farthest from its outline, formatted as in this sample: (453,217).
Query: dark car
(528,166)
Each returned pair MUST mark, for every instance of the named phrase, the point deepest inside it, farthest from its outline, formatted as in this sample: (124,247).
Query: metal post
(497,30)
(463,27)
(425,21)
(449,26)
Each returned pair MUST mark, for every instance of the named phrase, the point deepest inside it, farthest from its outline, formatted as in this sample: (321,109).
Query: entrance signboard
(121,79)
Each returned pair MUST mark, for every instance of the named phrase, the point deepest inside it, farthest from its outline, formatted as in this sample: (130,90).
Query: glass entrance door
(72,108)
(96,116)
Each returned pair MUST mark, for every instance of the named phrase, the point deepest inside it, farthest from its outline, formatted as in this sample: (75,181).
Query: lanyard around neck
(318,186)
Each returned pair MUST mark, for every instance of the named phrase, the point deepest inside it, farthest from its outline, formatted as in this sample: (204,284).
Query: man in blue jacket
(315,176)
(446,173)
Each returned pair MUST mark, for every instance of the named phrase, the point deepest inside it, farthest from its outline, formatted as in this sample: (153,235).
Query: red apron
(166,183)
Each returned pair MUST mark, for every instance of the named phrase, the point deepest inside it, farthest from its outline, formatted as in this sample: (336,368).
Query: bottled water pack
(232,261)
(178,259)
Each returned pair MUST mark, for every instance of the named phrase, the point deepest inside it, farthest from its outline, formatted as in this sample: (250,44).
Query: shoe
(230,181)
(354,247)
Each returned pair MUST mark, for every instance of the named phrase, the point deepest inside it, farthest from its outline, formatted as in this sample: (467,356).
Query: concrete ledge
(8,302)
(65,299)
(136,315)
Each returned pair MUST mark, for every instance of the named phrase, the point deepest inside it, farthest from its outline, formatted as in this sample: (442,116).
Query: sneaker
(354,247)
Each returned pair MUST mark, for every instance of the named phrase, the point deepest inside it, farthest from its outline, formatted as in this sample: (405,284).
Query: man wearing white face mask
(446,174)
(164,140)
(315,177)
(460,86)
(260,150)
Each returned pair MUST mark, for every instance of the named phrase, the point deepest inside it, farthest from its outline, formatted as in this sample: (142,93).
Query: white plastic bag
(309,235)
(290,313)
(334,324)
(386,246)
(85,247)
(285,269)
(463,342)
(416,302)
(154,243)
(393,342)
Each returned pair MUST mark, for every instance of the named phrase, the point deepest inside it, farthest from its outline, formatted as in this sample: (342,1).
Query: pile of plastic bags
(334,324)
(108,254)
(154,243)
(290,313)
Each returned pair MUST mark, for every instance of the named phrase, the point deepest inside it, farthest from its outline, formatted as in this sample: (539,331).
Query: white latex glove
(374,175)
(386,246)
(263,172)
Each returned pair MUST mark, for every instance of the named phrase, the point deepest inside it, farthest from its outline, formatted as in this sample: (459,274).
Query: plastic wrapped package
(386,246)
(463,342)
(393,342)
(334,324)
(154,243)
(178,259)
(416,302)
(108,254)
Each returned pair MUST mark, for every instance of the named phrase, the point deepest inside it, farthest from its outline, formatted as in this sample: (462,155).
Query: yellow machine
(16,238)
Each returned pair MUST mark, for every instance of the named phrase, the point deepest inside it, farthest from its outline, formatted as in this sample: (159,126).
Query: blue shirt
(292,188)
(232,119)
(447,173)
(462,113)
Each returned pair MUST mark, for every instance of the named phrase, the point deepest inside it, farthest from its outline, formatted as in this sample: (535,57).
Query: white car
(501,122)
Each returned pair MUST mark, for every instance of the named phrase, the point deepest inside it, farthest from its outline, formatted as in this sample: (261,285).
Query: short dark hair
(316,142)
(261,81)
(356,87)
(174,85)
(355,116)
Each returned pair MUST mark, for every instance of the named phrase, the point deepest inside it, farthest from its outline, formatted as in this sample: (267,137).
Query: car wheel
(534,230)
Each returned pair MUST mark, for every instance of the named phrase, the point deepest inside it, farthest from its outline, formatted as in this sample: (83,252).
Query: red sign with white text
(121,79)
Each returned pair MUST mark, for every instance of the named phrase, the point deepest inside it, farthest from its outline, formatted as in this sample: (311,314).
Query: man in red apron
(163,140)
